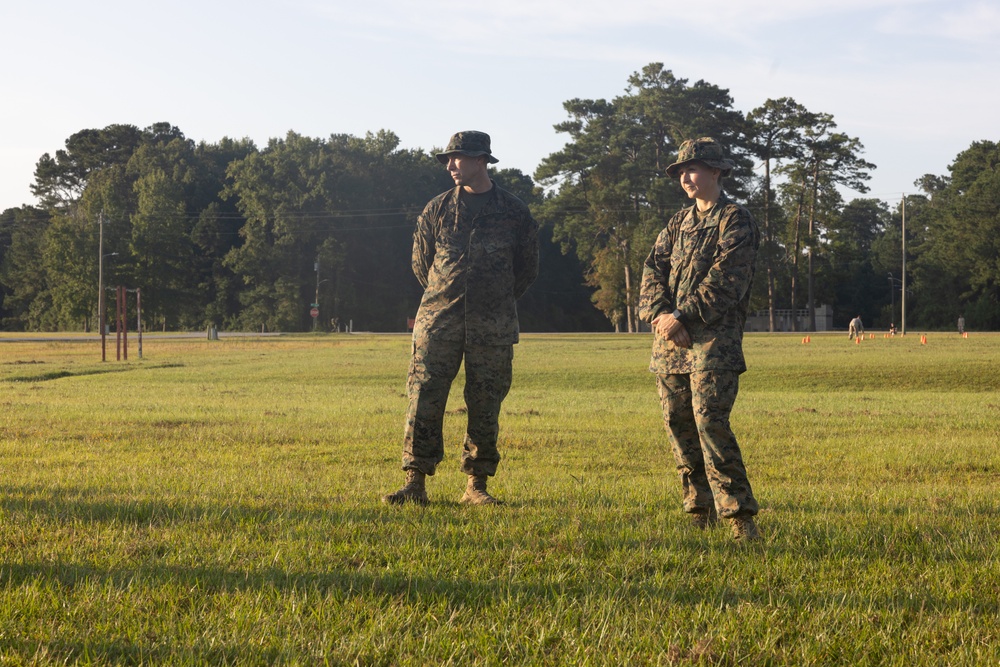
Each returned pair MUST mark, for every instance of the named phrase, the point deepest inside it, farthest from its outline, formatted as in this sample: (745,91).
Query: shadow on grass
(383,594)
(659,576)
(95,506)
(83,372)
(137,653)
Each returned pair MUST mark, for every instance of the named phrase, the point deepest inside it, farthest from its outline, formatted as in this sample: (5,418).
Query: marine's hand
(680,337)
(672,329)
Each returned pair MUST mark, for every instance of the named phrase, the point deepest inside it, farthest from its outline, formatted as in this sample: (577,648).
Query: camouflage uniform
(702,266)
(473,269)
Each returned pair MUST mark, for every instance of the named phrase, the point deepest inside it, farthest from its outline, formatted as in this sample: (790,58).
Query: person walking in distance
(696,294)
(475,252)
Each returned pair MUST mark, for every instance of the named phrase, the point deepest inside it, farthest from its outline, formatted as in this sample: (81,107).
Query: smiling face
(700,181)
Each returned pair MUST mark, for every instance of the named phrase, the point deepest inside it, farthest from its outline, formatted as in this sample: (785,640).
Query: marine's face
(466,170)
(699,180)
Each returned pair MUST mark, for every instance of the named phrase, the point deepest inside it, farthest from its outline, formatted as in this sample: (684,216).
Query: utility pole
(892,297)
(100,282)
(902,322)
(138,317)
(316,300)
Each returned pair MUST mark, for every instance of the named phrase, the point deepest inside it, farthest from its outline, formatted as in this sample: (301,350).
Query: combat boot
(704,518)
(744,529)
(475,492)
(413,490)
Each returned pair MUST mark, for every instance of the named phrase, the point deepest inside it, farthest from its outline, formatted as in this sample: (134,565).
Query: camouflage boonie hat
(471,143)
(706,150)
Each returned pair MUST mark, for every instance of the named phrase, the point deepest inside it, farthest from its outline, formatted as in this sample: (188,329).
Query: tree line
(240,237)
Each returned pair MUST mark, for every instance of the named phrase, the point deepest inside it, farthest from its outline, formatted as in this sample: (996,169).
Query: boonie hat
(706,150)
(469,142)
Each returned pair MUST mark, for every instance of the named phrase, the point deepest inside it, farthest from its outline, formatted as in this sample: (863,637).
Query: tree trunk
(795,259)
(768,259)
(629,310)
(810,303)
(630,320)
(770,300)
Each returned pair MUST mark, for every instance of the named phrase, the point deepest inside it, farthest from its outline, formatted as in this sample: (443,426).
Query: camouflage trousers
(488,370)
(696,411)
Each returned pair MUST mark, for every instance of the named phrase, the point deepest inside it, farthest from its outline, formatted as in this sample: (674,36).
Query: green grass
(219,503)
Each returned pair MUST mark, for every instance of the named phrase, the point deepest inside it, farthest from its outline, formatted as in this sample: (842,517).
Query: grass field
(218,502)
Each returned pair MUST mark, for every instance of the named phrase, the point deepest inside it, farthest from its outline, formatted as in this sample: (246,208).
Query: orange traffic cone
(857,341)
(923,340)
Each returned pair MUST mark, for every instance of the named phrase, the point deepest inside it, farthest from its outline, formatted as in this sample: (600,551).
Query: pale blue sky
(916,81)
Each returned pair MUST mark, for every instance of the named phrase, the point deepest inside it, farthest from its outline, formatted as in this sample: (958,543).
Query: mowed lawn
(219,503)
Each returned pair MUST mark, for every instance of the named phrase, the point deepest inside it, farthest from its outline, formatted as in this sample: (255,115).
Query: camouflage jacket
(473,269)
(704,269)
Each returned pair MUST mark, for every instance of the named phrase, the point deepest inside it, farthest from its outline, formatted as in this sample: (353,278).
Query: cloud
(460,20)
(625,30)
(974,22)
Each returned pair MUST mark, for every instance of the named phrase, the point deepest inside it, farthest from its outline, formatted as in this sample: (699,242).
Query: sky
(915,81)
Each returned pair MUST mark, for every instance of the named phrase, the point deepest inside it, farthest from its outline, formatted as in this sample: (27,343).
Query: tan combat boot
(704,518)
(744,529)
(475,492)
(413,490)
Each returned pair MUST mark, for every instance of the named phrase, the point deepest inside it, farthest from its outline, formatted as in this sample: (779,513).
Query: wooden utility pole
(138,317)
(100,283)
(902,322)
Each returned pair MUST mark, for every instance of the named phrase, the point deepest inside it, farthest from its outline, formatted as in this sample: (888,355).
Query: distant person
(855,328)
(475,252)
(696,293)
(961,324)
(892,329)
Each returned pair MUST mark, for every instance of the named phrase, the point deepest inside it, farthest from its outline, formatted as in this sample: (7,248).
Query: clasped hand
(672,329)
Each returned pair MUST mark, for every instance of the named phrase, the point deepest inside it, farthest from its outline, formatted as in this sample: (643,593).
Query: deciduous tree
(775,133)
(611,193)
